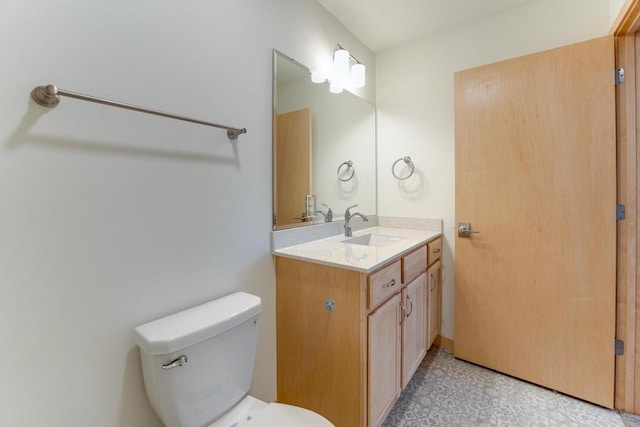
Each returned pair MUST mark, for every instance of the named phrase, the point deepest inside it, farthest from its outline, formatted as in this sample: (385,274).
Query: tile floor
(449,392)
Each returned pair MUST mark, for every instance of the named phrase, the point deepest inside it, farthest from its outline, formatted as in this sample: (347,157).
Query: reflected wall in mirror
(324,149)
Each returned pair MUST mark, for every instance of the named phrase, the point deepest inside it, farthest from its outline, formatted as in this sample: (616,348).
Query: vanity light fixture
(357,75)
(342,74)
(340,71)
(317,77)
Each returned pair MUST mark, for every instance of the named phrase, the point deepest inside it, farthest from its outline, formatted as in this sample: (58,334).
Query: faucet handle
(347,213)
(328,217)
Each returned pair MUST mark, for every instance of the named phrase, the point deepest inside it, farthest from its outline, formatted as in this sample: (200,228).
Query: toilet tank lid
(191,326)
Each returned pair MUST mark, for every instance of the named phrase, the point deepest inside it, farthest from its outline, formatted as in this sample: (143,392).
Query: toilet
(198,364)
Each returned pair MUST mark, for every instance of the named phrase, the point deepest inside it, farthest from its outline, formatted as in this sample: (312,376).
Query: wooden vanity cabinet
(321,340)
(384,283)
(414,326)
(434,300)
(385,352)
(397,334)
(414,306)
(346,344)
(435,250)
(384,341)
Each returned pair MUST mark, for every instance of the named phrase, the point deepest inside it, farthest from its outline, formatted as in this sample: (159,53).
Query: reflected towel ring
(409,162)
(349,165)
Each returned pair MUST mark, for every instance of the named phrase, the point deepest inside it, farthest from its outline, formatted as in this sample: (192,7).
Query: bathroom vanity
(355,317)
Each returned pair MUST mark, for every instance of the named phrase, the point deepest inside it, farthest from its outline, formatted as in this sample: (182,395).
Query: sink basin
(378,240)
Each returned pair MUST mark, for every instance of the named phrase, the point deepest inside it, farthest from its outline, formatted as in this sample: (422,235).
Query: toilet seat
(281,415)
(251,412)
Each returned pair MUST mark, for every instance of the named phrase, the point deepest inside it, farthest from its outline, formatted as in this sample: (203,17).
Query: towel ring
(349,165)
(409,162)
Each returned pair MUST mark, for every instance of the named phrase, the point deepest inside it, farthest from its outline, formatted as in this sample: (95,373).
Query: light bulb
(335,87)
(357,75)
(341,66)
(317,77)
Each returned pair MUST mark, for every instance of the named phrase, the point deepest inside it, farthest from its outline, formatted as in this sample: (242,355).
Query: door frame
(627,382)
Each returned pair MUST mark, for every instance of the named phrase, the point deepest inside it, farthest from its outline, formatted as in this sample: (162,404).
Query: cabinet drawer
(384,283)
(413,264)
(435,250)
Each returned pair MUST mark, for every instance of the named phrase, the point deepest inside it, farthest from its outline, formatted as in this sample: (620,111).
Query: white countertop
(332,251)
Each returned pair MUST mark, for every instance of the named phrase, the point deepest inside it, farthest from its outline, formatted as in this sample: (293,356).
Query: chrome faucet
(347,220)
(328,215)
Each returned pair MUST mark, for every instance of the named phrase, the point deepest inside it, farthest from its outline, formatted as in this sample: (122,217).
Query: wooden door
(536,176)
(384,360)
(435,302)
(414,327)
(293,166)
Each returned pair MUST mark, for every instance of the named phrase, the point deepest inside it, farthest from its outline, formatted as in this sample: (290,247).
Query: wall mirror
(324,149)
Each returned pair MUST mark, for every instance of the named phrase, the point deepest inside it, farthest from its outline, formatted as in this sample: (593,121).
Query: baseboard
(443,342)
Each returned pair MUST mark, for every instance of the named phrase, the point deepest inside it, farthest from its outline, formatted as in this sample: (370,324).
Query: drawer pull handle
(436,251)
(433,283)
(391,284)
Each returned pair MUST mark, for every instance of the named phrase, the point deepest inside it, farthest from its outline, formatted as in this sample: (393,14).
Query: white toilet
(198,364)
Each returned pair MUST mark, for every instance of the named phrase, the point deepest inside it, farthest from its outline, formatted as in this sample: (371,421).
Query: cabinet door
(435,301)
(384,360)
(414,327)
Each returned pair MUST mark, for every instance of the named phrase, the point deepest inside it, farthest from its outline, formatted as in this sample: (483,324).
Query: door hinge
(275,219)
(619,79)
(620,212)
(619,346)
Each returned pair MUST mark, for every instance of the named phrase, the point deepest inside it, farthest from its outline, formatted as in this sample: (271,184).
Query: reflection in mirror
(324,149)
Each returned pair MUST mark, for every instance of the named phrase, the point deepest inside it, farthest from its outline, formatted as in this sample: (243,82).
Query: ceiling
(382,24)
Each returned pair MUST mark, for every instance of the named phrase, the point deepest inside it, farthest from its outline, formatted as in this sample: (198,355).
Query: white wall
(416,112)
(111,218)
(614,9)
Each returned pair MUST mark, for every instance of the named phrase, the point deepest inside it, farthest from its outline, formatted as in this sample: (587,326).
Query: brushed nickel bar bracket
(49,96)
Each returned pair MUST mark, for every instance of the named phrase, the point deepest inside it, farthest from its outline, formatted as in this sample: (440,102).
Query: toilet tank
(218,340)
